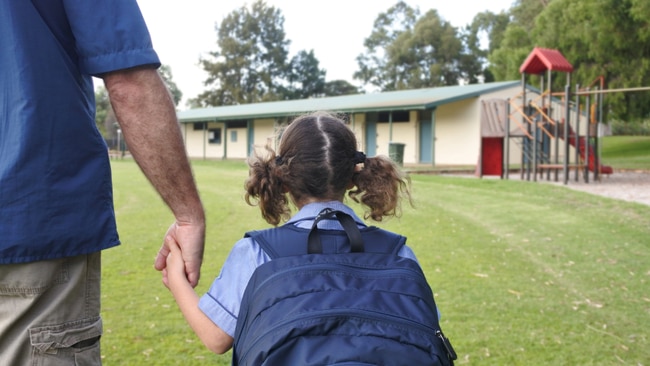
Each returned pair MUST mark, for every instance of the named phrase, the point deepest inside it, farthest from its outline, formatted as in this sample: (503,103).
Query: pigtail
(380,185)
(264,187)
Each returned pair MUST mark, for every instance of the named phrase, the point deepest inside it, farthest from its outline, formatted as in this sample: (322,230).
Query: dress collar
(306,215)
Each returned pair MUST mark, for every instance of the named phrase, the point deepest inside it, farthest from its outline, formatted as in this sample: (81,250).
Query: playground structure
(553,131)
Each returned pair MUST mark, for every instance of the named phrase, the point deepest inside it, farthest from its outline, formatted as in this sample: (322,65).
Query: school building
(436,126)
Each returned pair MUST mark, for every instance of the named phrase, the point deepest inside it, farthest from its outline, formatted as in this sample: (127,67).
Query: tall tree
(485,26)
(340,87)
(105,117)
(407,51)
(605,38)
(515,42)
(513,50)
(251,63)
(437,50)
(306,78)
(102,108)
(374,66)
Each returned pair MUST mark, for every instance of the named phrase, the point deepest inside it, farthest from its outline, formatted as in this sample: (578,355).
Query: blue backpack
(337,302)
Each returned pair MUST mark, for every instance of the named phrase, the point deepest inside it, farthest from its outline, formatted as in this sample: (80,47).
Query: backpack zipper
(353,313)
(358,268)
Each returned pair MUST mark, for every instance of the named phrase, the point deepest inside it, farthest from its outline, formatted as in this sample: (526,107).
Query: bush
(631,128)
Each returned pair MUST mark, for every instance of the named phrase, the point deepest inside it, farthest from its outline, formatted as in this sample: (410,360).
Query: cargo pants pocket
(72,343)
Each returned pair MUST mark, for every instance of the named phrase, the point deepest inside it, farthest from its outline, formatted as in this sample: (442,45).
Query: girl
(317,162)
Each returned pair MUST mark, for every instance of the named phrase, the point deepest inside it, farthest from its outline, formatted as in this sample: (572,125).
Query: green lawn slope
(524,273)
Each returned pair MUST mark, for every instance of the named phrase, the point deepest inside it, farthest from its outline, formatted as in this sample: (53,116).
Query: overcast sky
(182,31)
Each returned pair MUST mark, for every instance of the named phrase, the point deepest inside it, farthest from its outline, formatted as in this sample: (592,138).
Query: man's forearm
(145,112)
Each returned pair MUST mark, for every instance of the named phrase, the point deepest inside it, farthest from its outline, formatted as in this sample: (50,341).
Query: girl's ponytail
(264,187)
(380,185)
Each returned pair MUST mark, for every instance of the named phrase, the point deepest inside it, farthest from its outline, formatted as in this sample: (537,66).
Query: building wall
(196,142)
(215,149)
(198,145)
(201,144)
(193,140)
(457,133)
(357,123)
(402,132)
(458,130)
(264,134)
(237,141)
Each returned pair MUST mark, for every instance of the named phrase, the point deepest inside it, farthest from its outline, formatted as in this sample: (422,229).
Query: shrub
(630,128)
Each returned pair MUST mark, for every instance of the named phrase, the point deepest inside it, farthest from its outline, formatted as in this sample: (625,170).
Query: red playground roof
(542,59)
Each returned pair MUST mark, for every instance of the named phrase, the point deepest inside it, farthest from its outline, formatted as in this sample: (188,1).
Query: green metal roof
(396,100)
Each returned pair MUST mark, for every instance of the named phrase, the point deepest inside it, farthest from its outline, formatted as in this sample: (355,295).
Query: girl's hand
(174,272)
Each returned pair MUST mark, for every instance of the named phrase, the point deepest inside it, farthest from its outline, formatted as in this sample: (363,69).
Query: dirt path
(623,185)
(633,186)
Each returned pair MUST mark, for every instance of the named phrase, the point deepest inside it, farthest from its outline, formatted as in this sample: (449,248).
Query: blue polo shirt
(55,181)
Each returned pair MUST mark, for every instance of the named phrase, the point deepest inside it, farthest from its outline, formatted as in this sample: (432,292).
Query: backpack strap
(314,245)
(289,240)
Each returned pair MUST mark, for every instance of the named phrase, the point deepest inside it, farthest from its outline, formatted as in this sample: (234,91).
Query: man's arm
(146,114)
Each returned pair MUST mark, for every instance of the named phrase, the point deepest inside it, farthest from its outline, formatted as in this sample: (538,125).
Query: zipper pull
(445,342)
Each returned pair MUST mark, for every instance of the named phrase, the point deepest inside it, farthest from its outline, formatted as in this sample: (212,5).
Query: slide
(604,169)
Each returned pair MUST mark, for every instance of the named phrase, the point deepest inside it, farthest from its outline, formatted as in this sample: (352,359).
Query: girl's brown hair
(317,160)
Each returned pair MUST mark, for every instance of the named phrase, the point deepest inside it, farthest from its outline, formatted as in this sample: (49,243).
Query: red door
(492,156)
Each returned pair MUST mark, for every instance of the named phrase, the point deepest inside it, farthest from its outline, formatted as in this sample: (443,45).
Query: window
(236,124)
(384,117)
(214,136)
(233,136)
(398,116)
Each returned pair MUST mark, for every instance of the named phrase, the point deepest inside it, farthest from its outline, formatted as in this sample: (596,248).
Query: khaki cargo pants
(49,312)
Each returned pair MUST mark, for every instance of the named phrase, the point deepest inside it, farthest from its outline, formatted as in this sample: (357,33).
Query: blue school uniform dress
(55,181)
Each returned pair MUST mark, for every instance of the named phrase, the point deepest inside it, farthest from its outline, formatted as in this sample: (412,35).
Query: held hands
(174,271)
(175,279)
(188,242)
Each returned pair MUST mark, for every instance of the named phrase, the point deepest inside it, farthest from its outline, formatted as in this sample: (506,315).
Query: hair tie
(358,158)
(278,160)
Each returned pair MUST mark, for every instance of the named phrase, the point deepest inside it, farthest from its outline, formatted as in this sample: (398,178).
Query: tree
(374,67)
(510,45)
(437,53)
(166,74)
(340,87)
(513,50)
(406,51)
(102,108)
(105,117)
(486,25)
(306,78)
(603,38)
(251,63)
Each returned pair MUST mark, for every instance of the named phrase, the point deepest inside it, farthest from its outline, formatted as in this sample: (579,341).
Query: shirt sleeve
(110,35)
(222,302)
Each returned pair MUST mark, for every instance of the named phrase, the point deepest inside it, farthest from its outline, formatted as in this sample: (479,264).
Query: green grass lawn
(626,152)
(524,273)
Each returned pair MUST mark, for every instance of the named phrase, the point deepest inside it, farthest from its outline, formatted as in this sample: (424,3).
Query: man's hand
(189,237)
